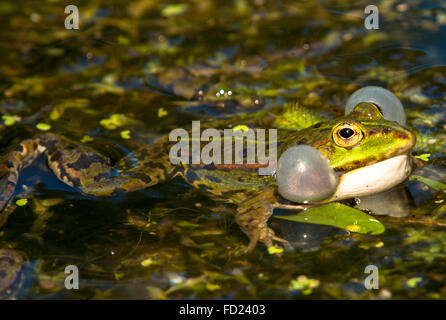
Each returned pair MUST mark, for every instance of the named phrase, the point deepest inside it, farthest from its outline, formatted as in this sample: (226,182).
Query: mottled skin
(90,172)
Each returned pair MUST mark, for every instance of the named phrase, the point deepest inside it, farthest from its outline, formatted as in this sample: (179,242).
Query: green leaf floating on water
(437,185)
(173,9)
(424,157)
(43,126)
(340,216)
(21,202)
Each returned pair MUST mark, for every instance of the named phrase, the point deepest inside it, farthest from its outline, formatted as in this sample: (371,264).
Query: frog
(366,153)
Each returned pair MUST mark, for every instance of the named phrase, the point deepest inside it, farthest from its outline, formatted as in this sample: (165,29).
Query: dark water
(131,58)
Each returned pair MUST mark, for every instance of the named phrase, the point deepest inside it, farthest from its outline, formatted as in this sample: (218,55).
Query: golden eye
(347,135)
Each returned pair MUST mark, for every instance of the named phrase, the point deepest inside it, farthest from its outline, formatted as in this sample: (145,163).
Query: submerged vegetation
(135,70)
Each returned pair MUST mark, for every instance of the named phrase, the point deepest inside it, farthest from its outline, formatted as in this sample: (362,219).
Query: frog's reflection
(394,202)
(304,237)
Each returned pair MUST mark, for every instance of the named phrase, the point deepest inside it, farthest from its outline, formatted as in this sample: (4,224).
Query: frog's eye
(347,135)
(367,111)
(380,110)
(388,105)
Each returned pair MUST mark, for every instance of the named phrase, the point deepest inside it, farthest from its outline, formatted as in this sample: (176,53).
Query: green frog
(364,153)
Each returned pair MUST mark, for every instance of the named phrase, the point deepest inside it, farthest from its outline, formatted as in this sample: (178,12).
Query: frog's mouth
(374,178)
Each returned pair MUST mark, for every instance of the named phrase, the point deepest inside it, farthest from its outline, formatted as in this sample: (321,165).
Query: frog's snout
(304,175)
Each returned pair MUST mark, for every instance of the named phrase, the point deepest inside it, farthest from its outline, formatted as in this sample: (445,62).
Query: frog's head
(366,154)
(362,139)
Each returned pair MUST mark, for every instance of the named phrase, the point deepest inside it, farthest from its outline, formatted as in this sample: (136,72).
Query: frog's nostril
(304,175)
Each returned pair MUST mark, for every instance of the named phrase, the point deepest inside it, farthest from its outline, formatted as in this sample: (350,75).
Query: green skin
(88,171)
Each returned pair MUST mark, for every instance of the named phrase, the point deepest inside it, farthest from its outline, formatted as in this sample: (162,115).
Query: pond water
(135,70)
